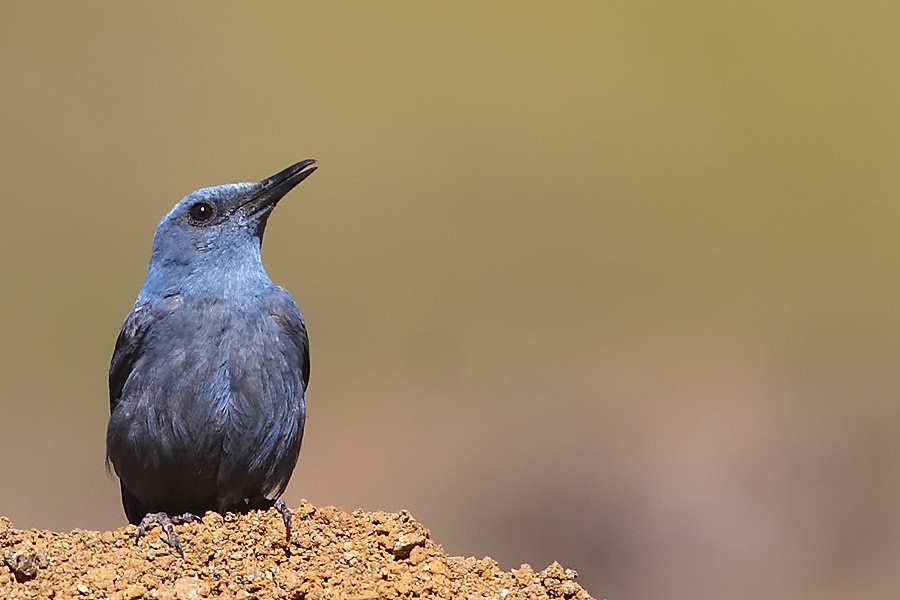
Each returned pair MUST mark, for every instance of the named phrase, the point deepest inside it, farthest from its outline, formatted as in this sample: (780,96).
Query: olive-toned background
(613,283)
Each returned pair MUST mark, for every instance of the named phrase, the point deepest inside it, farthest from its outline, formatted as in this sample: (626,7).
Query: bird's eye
(201,212)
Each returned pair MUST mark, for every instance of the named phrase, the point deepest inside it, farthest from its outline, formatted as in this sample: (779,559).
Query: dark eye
(201,212)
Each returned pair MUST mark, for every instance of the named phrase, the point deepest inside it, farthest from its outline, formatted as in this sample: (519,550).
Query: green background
(609,283)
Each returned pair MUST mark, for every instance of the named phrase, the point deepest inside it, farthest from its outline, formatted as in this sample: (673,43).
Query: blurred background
(609,283)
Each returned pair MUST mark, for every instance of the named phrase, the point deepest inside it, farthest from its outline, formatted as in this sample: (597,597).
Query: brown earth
(332,555)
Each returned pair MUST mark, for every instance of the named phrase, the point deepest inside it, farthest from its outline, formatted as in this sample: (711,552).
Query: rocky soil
(332,555)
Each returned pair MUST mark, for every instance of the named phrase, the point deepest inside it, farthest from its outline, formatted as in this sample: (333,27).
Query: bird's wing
(128,347)
(288,316)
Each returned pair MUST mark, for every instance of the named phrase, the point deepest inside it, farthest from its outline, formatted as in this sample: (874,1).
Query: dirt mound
(332,555)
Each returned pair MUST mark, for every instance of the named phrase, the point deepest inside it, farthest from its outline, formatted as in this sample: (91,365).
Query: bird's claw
(166,522)
(282,508)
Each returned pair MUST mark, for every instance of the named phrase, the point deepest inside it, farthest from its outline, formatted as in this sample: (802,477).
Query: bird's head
(215,233)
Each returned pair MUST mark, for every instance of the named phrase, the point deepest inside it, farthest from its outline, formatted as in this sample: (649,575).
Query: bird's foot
(166,522)
(281,507)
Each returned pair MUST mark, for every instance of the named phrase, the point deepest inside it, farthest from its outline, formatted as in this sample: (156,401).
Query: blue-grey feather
(209,375)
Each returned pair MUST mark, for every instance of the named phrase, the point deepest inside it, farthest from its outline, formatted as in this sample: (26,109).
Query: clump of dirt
(332,555)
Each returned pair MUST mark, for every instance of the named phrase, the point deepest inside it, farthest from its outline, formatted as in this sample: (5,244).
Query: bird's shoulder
(283,307)
(131,339)
(144,314)
(287,317)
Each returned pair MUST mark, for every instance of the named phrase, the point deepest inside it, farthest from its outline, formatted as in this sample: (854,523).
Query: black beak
(269,191)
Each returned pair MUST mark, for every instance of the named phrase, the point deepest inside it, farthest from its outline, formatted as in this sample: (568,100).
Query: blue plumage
(209,373)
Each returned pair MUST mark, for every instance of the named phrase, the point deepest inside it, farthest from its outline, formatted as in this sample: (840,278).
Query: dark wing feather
(287,314)
(134,509)
(128,348)
(295,344)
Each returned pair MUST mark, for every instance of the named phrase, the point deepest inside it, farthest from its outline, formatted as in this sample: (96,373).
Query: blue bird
(208,378)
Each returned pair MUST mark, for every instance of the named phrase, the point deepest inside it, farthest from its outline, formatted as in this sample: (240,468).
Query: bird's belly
(209,445)
(211,414)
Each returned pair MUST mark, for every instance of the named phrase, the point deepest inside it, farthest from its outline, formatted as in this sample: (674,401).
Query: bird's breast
(214,378)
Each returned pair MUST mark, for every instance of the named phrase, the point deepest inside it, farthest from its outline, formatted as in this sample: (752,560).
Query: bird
(208,378)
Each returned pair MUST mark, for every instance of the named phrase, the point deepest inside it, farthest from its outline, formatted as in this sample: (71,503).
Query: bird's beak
(269,191)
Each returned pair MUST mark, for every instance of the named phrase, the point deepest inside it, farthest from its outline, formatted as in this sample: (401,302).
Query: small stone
(417,555)
(568,588)
(163,592)
(406,542)
(82,589)
(554,570)
(24,567)
(288,580)
(524,574)
(134,592)
(43,559)
(190,588)
(438,567)
(404,583)
(101,577)
(489,564)
(315,592)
